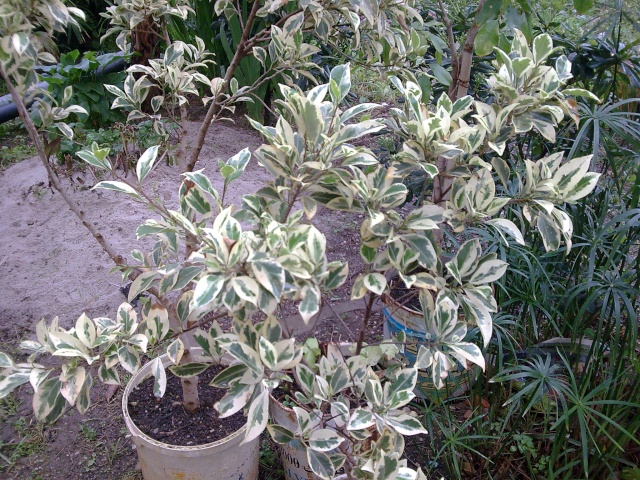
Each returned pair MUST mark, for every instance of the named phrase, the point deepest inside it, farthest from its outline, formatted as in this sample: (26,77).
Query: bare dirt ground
(51,266)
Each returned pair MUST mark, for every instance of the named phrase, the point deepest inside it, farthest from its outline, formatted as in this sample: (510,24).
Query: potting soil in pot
(164,419)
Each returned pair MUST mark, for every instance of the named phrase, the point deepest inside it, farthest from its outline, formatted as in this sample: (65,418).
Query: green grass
(31,441)
(15,144)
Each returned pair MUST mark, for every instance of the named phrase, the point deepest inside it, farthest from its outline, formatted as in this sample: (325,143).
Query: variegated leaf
(157,322)
(375,282)
(325,440)
(258,416)
(268,353)
(48,403)
(175,350)
(270,275)
(207,289)
(360,419)
(159,378)
(129,358)
(86,331)
(310,304)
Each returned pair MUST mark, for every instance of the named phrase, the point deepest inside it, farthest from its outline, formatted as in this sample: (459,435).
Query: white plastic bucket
(294,460)
(225,459)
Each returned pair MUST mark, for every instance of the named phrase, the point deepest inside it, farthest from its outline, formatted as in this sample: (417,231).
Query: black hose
(8,110)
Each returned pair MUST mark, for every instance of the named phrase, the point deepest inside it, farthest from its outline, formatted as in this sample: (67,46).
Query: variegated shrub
(211,259)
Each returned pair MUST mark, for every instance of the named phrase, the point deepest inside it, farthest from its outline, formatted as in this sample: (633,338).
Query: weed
(270,466)
(31,442)
(371,88)
(15,154)
(88,432)
(8,406)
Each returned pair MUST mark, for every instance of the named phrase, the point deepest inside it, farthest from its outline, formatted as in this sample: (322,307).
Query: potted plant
(210,259)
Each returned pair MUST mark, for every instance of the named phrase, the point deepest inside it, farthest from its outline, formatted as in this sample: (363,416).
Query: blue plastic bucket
(401,319)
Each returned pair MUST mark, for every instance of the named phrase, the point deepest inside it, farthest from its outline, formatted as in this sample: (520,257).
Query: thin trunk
(214,108)
(460,85)
(53,177)
(452,48)
(461,63)
(190,397)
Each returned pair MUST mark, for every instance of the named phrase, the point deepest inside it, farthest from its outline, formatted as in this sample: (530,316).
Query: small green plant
(30,441)
(88,432)
(8,406)
(83,74)
(270,465)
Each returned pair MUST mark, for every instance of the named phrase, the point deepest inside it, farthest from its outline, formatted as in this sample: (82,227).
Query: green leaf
(490,11)
(146,161)
(187,370)
(324,440)
(441,74)
(487,37)
(583,6)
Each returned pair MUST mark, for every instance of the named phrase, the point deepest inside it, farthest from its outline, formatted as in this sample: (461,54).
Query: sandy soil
(51,266)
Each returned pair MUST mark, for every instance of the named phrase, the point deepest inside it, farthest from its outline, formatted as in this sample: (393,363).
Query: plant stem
(53,177)
(460,84)
(452,45)
(241,52)
(365,323)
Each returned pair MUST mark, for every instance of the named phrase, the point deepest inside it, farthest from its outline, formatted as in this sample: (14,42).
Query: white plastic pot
(225,459)
(294,460)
